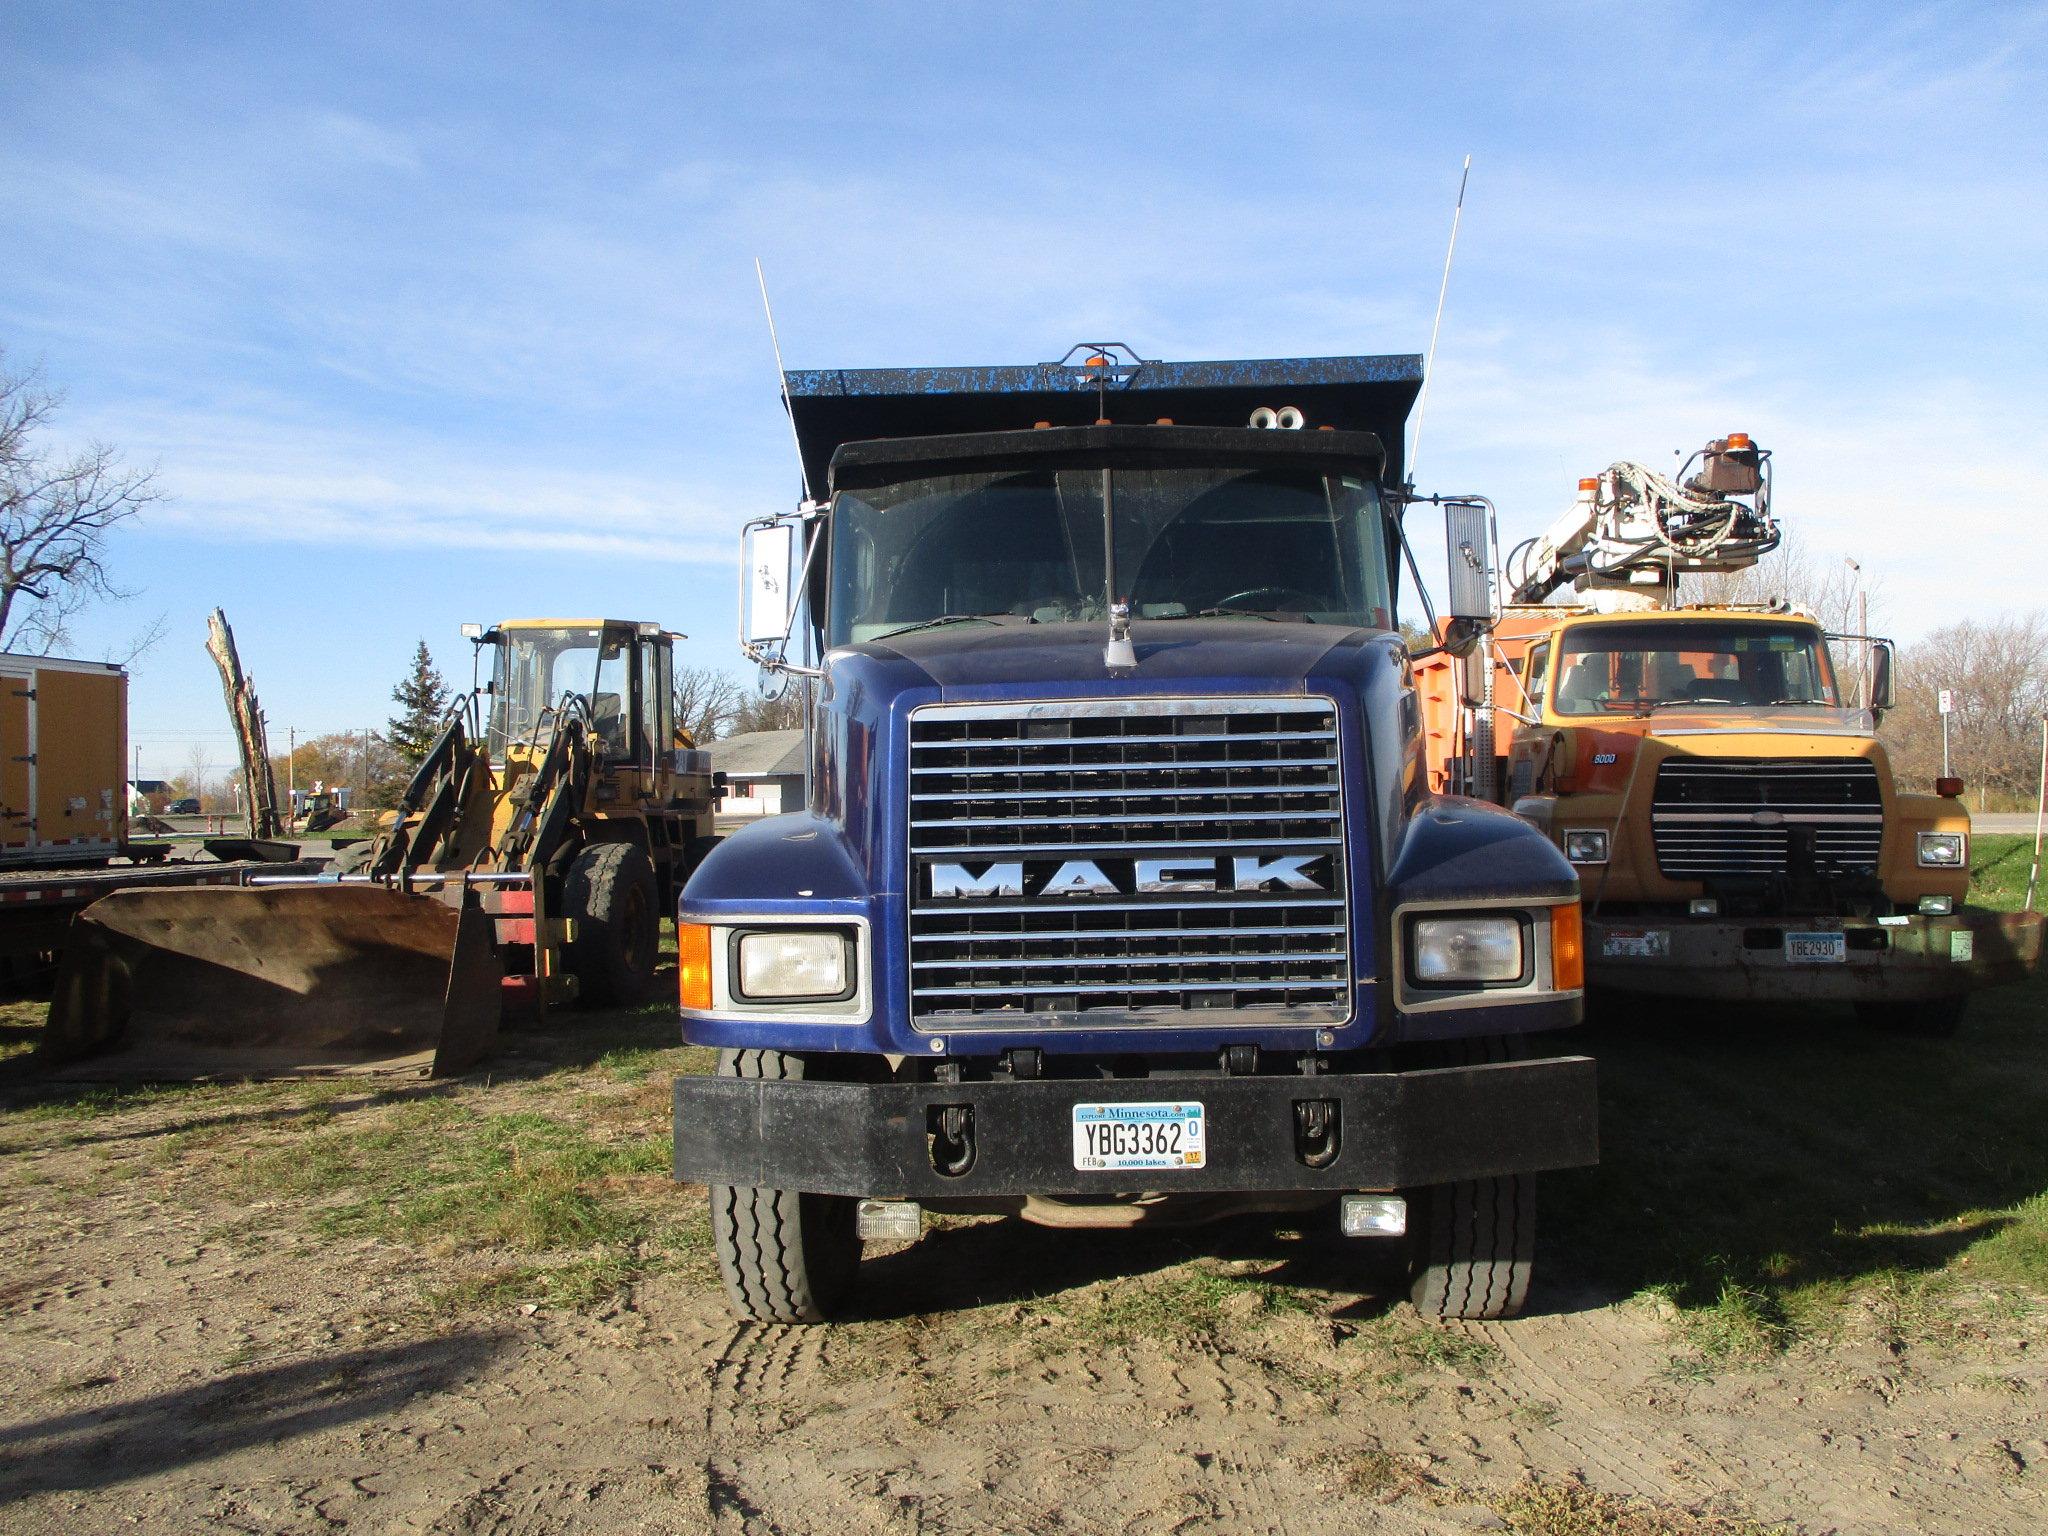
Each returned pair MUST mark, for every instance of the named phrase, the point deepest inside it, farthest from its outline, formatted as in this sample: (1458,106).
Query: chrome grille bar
(1004,797)
(1746,816)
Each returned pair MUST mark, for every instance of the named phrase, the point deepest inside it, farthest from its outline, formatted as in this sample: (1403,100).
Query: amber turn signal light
(1567,949)
(693,964)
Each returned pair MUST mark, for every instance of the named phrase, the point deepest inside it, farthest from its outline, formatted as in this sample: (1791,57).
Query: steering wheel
(1268,597)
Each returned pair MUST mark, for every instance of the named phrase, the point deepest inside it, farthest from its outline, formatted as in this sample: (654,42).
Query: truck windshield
(1025,546)
(1632,668)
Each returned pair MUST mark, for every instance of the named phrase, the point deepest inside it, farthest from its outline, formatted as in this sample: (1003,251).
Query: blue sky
(436,313)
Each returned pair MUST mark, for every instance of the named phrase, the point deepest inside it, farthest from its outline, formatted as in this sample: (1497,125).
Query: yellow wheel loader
(531,860)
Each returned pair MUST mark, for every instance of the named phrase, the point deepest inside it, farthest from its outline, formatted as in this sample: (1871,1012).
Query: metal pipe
(430,877)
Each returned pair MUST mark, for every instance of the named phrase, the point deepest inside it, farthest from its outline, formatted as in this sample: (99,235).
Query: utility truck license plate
(1113,1137)
(1816,948)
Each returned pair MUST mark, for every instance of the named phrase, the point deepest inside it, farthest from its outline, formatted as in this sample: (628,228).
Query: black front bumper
(1397,1130)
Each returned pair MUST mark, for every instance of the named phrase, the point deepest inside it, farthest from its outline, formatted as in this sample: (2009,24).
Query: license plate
(1636,944)
(1114,1137)
(1816,948)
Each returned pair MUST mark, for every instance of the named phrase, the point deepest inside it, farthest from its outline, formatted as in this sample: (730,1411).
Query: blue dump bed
(832,406)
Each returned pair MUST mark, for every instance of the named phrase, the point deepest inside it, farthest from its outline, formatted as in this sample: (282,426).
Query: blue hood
(979,656)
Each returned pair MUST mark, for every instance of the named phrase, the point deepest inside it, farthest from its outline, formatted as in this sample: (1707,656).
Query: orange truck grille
(1746,816)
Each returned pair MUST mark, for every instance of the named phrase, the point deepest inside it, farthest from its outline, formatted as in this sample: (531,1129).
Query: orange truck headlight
(693,964)
(1567,949)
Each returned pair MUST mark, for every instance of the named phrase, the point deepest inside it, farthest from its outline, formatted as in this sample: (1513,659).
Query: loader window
(611,700)
(1709,663)
(536,667)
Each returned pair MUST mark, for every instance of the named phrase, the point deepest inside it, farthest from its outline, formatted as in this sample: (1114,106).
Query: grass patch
(1195,1302)
(1403,1344)
(575,1218)
(1568,1507)
(1779,1174)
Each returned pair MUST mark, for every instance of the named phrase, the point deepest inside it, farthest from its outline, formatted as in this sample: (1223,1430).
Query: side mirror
(1883,687)
(767,584)
(1468,527)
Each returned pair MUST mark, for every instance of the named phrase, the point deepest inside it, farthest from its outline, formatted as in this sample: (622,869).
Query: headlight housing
(792,964)
(1586,845)
(1941,850)
(1467,951)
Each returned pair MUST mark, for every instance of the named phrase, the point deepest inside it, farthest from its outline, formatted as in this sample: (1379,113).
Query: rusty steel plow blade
(282,981)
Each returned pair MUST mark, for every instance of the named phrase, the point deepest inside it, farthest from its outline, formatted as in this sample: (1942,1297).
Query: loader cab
(618,671)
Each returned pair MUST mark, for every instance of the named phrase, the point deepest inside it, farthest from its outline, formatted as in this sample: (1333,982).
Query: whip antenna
(1429,363)
(782,374)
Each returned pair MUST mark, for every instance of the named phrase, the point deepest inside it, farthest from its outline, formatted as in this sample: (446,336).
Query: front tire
(785,1256)
(1474,1247)
(1472,1244)
(612,895)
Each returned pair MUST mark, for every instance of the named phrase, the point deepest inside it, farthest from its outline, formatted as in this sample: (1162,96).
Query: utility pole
(1862,634)
(291,766)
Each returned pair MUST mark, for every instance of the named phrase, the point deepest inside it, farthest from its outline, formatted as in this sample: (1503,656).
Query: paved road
(2004,821)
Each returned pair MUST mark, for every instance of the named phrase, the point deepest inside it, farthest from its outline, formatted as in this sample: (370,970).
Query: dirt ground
(1802,1294)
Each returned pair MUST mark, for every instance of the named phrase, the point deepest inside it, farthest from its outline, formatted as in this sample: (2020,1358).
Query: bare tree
(55,513)
(194,780)
(1997,669)
(782,712)
(706,700)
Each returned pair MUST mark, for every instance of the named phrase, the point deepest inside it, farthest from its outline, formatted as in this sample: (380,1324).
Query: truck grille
(1716,816)
(1160,862)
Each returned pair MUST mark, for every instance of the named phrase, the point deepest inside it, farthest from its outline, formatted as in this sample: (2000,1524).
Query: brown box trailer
(63,761)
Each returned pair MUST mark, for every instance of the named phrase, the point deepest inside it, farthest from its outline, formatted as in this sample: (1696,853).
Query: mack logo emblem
(1148,877)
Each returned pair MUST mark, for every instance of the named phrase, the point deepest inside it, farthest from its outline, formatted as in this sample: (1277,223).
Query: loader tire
(612,896)
(1472,1244)
(785,1256)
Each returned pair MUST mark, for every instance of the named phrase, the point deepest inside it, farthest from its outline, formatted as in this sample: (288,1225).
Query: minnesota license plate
(1113,1137)
(1636,944)
(1816,948)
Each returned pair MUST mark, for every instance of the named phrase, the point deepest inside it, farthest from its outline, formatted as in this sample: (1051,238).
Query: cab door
(1530,744)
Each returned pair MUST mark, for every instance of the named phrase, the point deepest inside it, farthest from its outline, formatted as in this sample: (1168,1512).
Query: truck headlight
(1452,950)
(1586,845)
(789,964)
(1941,850)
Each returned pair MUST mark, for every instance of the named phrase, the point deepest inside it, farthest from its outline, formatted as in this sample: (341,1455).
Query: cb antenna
(782,373)
(1429,363)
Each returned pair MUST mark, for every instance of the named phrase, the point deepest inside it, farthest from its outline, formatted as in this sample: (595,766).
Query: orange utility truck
(1714,773)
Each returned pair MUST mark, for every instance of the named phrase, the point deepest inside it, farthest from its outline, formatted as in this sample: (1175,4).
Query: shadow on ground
(145,1437)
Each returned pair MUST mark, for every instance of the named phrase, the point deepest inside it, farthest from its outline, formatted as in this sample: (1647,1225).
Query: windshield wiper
(1270,615)
(1681,703)
(957,618)
(1799,701)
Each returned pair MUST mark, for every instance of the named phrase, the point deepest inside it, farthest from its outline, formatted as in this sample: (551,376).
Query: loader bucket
(277,981)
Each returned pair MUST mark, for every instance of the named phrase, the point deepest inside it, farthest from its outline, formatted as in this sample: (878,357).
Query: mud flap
(278,981)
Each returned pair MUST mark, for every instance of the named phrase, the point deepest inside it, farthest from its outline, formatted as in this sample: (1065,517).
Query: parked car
(186,807)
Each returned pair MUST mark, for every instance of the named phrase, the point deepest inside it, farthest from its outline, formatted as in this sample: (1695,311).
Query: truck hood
(970,655)
(1724,720)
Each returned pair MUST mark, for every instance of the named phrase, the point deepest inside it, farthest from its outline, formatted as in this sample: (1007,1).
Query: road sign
(1948,701)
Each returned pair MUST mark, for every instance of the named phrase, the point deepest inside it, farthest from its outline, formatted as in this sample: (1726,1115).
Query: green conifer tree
(422,699)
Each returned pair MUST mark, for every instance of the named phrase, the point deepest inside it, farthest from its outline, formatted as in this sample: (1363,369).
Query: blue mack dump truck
(1119,893)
